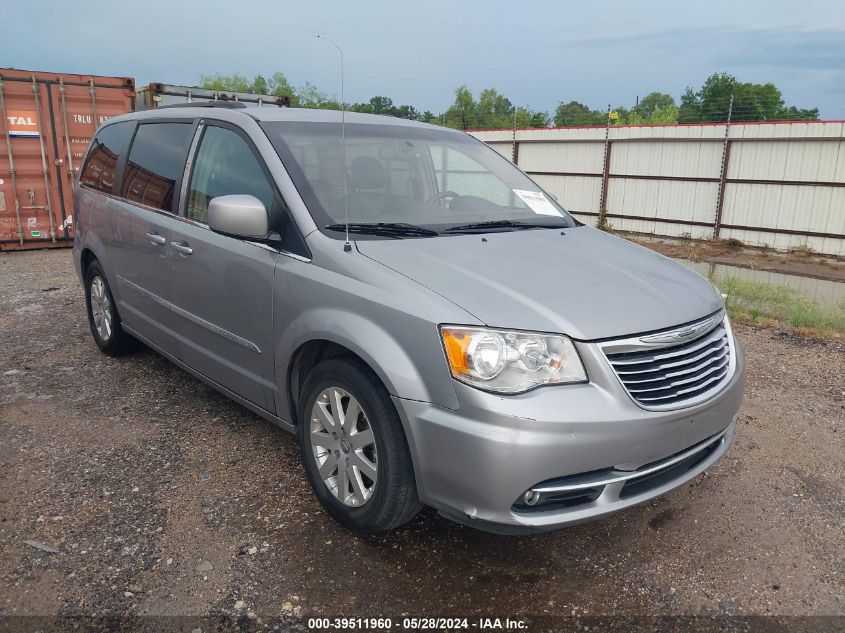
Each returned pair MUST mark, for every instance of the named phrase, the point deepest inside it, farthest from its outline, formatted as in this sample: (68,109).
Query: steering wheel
(443,195)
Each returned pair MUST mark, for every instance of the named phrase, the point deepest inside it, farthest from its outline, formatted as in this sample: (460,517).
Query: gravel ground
(162,497)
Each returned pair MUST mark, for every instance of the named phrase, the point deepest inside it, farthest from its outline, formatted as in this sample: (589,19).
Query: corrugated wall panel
(567,157)
(754,159)
(691,160)
(667,199)
(575,193)
(790,207)
(815,161)
(505,149)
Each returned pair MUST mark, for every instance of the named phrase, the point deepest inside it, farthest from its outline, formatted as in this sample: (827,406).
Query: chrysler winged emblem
(684,333)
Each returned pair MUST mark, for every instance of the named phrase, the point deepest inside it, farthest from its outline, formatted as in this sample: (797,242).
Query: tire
(392,498)
(103,316)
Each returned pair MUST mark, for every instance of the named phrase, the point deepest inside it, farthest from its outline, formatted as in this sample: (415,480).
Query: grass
(769,305)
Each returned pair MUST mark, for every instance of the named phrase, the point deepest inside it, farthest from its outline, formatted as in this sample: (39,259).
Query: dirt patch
(163,497)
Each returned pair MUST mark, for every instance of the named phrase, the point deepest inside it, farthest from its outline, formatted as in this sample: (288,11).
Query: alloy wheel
(343,446)
(101,308)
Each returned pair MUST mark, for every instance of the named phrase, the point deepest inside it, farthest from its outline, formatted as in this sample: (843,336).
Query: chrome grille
(660,374)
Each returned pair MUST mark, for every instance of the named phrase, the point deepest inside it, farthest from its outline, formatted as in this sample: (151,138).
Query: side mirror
(239,215)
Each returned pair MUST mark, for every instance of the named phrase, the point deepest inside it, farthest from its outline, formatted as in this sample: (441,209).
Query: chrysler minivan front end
(650,417)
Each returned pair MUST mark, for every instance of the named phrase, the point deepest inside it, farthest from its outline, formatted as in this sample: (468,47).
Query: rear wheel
(103,316)
(354,448)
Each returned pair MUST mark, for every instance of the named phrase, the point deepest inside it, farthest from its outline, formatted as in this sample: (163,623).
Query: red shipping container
(48,122)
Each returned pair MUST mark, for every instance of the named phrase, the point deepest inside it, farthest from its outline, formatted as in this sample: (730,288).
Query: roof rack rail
(237,105)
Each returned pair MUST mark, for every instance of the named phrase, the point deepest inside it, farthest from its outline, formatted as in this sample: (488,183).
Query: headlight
(509,361)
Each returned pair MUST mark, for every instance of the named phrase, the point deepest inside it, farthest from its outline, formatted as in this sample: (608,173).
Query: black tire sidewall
(377,514)
(119,342)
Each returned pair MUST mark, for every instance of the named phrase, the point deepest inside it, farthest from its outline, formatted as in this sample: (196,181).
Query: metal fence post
(726,155)
(605,174)
(514,150)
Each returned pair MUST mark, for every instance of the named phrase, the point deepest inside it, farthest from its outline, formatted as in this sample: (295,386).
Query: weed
(804,250)
(766,304)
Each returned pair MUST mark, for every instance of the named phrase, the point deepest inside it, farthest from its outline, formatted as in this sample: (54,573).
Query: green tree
(528,118)
(279,85)
(365,108)
(259,85)
(381,105)
(655,108)
(665,115)
(652,101)
(226,83)
(751,102)
(461,114)
(406,112)
(309,96)
(384,106)
(800,114)
(575,113)
(494,110)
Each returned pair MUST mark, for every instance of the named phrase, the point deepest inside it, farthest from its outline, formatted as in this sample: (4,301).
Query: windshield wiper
(501,224)
(388,229)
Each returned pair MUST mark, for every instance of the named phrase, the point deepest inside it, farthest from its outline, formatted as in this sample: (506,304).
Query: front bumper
(475,464)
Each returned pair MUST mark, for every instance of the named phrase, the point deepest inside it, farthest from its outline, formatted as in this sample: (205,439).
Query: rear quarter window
(108,147)
(155,163)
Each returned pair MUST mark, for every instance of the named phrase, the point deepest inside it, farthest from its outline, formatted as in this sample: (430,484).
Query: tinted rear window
(155,163)
(108,146)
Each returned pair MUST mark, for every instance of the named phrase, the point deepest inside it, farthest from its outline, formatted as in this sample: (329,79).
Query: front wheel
(354,448)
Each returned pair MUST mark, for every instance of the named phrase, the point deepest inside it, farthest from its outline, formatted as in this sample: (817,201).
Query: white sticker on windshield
(537,202)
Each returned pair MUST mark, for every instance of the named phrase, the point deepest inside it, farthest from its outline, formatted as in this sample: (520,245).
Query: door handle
(182,248)
(156,239)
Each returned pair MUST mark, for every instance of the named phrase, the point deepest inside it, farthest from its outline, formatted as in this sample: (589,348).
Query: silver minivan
(434,328)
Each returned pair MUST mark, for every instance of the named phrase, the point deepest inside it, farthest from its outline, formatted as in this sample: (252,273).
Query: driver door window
(224,165)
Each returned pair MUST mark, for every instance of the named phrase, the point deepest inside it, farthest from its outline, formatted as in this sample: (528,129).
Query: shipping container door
(27,202)
(48,122)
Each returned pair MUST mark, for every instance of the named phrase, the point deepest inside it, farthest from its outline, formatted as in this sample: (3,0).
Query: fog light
(531,497)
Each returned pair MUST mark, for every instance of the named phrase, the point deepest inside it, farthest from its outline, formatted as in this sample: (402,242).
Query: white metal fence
(780,185)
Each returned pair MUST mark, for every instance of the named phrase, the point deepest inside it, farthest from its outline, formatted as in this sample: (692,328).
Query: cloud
(819,49)
(420,56)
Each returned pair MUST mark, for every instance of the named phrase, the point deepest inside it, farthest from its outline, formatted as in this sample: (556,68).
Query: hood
(586,284)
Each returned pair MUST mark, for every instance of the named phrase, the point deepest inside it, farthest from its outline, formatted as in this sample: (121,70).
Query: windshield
(404,175)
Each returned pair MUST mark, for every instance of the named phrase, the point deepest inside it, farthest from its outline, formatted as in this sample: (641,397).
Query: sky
(536,53)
